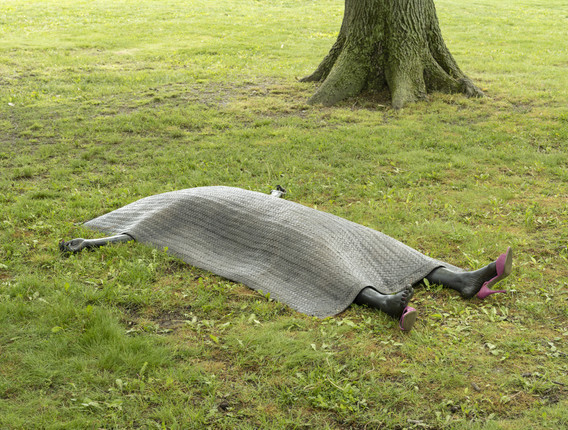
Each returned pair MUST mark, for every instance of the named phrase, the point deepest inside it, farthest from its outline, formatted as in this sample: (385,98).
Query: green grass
(104,102)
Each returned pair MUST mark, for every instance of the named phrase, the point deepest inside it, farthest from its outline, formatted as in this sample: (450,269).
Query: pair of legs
(468,284)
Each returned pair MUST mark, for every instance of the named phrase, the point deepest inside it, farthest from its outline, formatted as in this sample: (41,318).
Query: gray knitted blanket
(313,261)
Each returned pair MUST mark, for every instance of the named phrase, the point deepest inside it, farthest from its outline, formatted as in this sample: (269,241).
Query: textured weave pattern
(313,261)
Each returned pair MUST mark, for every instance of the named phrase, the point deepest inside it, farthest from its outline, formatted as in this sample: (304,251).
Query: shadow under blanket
(315,262)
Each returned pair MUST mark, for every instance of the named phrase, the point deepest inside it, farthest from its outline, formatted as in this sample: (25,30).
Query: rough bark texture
(394,44)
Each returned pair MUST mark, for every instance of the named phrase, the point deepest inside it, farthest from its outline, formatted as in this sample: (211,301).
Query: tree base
(389,44)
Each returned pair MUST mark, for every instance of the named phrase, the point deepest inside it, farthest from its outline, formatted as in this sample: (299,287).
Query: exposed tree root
(346,79)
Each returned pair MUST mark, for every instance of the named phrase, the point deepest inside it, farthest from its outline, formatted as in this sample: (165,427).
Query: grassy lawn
(104,102)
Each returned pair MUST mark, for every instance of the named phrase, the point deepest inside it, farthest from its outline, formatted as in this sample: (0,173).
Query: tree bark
(394,44)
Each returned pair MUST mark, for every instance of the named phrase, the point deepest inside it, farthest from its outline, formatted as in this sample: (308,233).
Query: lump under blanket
(313,261)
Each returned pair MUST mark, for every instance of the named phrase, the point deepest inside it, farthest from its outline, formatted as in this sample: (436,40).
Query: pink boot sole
(408,318)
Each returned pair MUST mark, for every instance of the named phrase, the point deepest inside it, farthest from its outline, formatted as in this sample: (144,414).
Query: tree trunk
(394,44)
